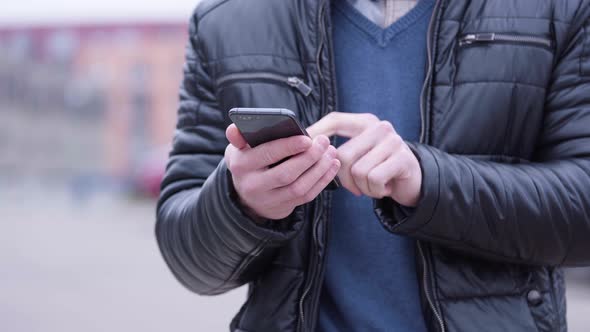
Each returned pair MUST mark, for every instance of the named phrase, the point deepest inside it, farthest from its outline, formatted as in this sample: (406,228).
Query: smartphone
(261,125)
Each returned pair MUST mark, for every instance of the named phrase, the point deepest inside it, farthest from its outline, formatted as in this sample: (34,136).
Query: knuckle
(408,151)
(394,139)
(331,115)
(296,145)
(357,171)
(298,190)
(236,165)
(370,117)
(330,119)
(268,156)
(399,143)
(285,178)
(385,126)
(374,178)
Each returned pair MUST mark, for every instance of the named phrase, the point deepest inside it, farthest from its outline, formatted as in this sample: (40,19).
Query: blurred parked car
(149,172)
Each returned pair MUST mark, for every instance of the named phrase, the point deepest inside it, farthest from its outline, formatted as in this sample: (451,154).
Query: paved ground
(94,266)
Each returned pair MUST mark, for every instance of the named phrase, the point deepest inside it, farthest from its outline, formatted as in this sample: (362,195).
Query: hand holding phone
(307,166)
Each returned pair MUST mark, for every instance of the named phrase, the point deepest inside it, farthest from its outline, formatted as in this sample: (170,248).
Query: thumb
(235,137)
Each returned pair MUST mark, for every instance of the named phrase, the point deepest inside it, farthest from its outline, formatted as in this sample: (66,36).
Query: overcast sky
(25,12)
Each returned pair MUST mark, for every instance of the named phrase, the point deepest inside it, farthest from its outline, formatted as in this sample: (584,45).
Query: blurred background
(88,95)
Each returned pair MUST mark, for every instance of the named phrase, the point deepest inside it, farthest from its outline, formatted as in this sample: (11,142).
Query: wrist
(250,213)
(409,188)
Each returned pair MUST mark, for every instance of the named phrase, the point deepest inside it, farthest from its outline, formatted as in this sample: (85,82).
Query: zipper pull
(474,38)
(298,84)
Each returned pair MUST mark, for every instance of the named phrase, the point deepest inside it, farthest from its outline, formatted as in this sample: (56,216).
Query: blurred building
(87,99)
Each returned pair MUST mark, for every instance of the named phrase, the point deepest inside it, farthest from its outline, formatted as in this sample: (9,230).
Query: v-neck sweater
(371,281)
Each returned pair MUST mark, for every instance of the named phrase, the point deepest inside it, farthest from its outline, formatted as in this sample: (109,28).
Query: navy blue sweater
(370,281)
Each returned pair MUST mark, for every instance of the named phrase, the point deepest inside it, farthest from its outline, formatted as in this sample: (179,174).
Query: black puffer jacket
(505,152)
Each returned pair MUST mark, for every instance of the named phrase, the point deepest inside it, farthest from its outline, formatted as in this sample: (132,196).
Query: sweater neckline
(383,35)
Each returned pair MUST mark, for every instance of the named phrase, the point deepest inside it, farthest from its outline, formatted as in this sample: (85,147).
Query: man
(465,123)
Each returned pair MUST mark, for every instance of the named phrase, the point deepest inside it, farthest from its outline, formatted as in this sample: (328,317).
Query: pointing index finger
(342,124)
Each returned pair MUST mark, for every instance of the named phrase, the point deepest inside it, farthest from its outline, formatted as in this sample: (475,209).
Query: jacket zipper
(424,99)
(318,203)
(316,221)
(292,81)
(427,288)
(428,74)
(473,38)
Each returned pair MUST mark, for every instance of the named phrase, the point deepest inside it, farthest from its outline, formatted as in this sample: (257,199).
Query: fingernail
(304,143)
(323,141)
(336,164)
(331,153)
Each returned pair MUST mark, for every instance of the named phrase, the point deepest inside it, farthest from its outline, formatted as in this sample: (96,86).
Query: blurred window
(62,45)
(139,78)
(20,46)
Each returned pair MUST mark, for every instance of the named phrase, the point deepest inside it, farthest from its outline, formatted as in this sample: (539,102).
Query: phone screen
(258,129)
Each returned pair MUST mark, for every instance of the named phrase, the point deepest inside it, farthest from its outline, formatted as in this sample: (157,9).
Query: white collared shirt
(383,12)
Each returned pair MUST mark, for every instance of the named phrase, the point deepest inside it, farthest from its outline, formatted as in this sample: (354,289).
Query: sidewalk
(95,267)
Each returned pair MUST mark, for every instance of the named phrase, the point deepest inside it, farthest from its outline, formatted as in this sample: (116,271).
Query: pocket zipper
(292,81)
(500,37)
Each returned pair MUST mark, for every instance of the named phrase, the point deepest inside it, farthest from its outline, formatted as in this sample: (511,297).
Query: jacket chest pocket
(264,89)
(252,77)
(518,58)
(497,92)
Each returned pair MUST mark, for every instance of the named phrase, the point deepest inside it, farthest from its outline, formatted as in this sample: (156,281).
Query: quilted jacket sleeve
(206,240)
(531,213)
